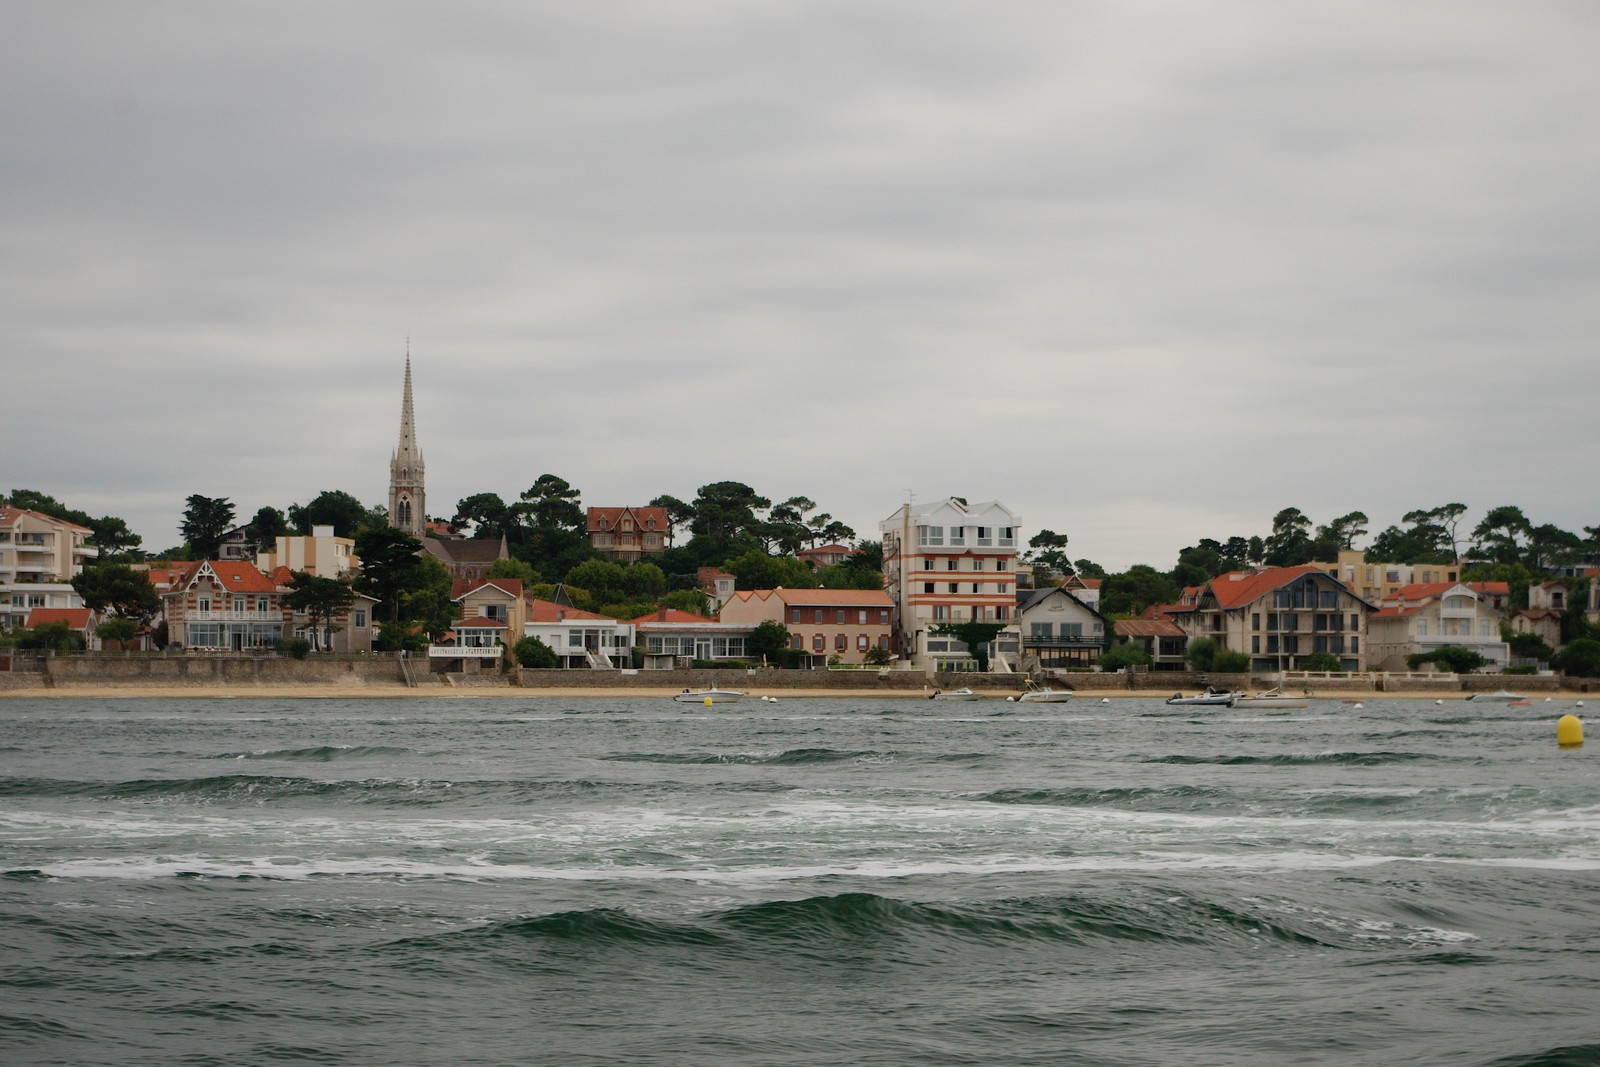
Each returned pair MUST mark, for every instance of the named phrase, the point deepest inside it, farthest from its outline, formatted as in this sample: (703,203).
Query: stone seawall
(894,681)
(66,672)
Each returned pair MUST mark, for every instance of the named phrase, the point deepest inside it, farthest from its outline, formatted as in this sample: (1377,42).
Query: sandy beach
(300,692)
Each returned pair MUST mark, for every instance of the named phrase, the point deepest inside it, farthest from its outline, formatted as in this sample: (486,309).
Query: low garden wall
(766,678)
(64,672)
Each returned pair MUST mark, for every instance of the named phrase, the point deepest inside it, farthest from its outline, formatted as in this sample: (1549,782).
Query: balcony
(233,616)
(464,651)
(1047,641)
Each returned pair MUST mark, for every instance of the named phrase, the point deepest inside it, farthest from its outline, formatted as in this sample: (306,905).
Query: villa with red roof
(824,622)
(1278,616)
(627,534)
(1424,617)
(668,634)
(579,638)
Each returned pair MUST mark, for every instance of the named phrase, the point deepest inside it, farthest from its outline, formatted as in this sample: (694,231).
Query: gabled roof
(762,595)
(550,611)
(1147,628)
(1028,599)
(1538,613)
(236,576)
(641,517)
(1420,590)
(474,550)
(75,618)
(1238,588)
(672,616)
(511,587)
(828,550)
(9,514)
(1396,612)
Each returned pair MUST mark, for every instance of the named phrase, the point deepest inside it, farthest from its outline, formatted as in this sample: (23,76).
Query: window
(1355,645)
(1355,622)
(1328,599)
(977,588)
(952,564)
(941,611)
(1255,623)
(841,617)
(818,643)
(985,536)
(796,641)
(1272,643)
(1291,645)
(1422,627)
(205,603)
(1291,621)
(1255,644)
(927,563)
(977,564)
(1008,536)
(1483,627)
(840,642)
(883,641)
(1319,644)
(1003,587)
(1072,629)
(819,616)
(883,617)
(862,643)
(930,535)
(955,587)
(261,604)
(958,535)
(1272,620)
(927,587)
(238,603)
(575,638)
(36,600)
(360,618)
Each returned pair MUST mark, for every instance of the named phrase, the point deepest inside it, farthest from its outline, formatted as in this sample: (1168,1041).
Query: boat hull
(716,696)
(1270,702)
(1044,696)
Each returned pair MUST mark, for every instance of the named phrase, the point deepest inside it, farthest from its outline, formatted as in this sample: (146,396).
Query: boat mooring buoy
(1357,706)
(1010,699)
(1569,731)
(1438,702)
(708,702)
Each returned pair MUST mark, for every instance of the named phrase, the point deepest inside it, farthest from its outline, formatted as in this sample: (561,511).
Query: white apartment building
(39,556)
(321,554)
(950,562)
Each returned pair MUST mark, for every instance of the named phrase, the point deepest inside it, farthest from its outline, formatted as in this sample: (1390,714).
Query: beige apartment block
(321,554)
(39,556)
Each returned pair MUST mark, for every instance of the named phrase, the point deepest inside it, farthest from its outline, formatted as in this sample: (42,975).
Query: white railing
(233,616)
(464,651)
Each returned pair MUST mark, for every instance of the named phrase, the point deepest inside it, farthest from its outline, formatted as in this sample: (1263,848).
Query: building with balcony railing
(950,562)
(1425,618)
(1277,616)
(39,556)
(1059,630)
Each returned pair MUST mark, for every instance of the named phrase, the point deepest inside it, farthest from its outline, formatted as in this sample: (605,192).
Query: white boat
(1038,694)
(1271,698)
(955,694)
(1499,696)
(707,696)
(1211,697)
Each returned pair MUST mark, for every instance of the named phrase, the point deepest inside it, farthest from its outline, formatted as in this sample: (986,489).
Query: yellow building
(1377,582)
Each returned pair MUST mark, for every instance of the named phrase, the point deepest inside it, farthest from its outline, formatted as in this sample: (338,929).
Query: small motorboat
(1499,696)
(1038,694)
(955,694)
(1212,696)
(1270,698)
(707,696)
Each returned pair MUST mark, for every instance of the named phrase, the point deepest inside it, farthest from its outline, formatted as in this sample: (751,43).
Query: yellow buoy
(1569,731)
(708,702)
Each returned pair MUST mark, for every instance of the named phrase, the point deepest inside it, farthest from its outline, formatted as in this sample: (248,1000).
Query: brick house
(824,622)
(625,535)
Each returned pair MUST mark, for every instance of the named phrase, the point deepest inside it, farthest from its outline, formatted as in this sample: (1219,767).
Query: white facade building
(950,562)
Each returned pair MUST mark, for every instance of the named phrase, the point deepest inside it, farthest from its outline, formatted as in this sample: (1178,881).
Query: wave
(1563,1056)
(317,754)
(844,923)
(258,789)
(1297,759)
(787,757)
(1183,795)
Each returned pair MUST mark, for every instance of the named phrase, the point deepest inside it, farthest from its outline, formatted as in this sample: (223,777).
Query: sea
(628,880)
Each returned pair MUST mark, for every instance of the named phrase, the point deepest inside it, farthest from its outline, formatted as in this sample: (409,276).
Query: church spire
(406,498)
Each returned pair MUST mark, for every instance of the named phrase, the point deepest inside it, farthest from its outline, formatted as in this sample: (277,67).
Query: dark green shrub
(298,647)
(534,653)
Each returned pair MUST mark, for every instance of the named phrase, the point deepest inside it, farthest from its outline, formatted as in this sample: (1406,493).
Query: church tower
(407,501)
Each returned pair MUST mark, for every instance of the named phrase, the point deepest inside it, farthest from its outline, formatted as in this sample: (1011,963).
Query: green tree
(1290,545)
(679,515)
(766,639)
(844,576)
(1321,661)
(1526,646)
(878,657)
(602,578)
(1117,657)
(868,556)
(391,568)
(1228,661)
(321,599)
(1340,535)
(1050,551)
(489,516)
(1575,620)
(1135,589)
(534,653)
(114,539)
(1580,658)
(513,568)
(1550,546)
(1501,534)
(205,520)
(331,507)
(116,631)
(553,504)
(119,589)
(1202,654)
(54,636)
(725,517)
(643,581)
(266,527)
(757,570)
(1452,657)
(975,635)
(690,600)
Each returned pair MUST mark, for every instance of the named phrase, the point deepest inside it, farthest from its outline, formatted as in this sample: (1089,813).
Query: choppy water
(579,881)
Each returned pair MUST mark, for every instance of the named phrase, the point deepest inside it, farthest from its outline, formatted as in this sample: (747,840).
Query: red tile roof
(459,588)
(671,615)
(1238,588)
(1091,583)
(235,576)
(478,622)
(1147,628)
(11,514)
(642,517)
(1418,590)
(550,611)
(75,618)
(1396,612)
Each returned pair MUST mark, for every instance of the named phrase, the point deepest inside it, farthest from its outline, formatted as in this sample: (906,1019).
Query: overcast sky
(1144,272)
